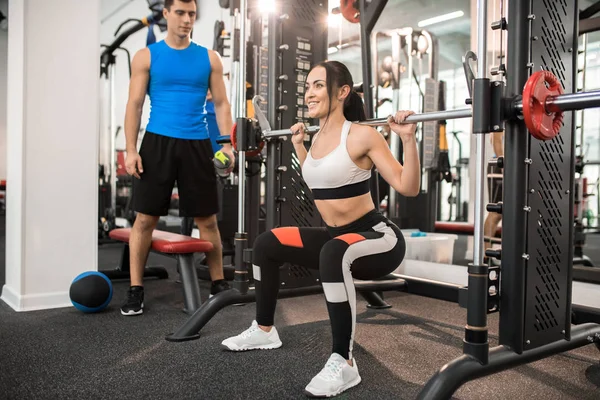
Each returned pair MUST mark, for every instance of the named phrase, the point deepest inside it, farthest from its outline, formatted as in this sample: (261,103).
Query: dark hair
(337,75)
(169,3)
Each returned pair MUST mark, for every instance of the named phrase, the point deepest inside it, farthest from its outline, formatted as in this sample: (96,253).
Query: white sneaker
(253,338)
(336,377)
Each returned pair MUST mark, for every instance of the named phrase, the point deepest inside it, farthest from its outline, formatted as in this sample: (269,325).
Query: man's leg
(139,246)
(151,198)
(490,227)
(209,230)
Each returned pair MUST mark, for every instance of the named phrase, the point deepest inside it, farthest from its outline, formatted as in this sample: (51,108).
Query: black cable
(124,22)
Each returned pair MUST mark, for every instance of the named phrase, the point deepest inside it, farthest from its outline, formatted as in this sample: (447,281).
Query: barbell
(542,106)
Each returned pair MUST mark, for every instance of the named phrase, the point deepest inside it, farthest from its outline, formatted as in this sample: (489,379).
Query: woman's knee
(331,261)
(263,245)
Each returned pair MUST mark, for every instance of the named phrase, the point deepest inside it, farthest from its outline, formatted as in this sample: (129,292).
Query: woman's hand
(397,125)
(298,131)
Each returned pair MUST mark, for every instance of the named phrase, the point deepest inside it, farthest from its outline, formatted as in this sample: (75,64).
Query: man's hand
(133,164)
(228,150)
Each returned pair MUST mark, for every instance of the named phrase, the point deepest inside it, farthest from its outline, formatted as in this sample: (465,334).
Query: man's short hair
(169,3)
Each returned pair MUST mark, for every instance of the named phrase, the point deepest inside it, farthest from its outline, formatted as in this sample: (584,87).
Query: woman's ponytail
(354,108)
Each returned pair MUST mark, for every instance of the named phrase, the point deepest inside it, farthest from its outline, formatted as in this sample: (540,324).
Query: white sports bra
(335,176)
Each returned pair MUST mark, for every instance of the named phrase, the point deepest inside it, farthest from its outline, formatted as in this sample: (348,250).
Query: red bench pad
(167,242)
(463,227)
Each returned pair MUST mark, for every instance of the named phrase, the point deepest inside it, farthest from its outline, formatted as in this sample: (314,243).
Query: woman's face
(315,93)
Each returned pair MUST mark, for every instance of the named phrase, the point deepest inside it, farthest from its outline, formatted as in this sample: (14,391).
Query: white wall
(3,64)
(208,11)
(52,139)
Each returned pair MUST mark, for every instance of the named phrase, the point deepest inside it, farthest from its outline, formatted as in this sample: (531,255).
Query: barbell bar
(560,103)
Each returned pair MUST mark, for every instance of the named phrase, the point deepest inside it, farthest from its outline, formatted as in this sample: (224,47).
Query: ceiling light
(440,18)
(266,6)
(334,20)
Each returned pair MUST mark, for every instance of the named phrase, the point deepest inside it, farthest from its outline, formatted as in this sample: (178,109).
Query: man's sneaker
(134,305)
(336,377)
(218,287)
(253,338)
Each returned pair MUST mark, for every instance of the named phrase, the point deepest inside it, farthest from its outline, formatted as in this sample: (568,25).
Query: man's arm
(219,97)
(138,86)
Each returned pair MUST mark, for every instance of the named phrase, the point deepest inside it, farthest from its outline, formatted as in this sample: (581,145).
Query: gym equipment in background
(109,184)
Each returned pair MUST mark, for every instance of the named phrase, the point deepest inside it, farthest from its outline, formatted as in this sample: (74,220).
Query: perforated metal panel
(305,34)
(431,128)
(549,243)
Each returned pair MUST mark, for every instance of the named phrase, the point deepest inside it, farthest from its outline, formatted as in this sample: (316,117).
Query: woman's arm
(405,179)
(298,131)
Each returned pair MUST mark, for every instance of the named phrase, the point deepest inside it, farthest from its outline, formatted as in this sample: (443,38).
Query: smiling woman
(358,241)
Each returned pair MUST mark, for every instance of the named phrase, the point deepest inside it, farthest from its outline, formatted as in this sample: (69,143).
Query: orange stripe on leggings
(288,236)
(351,238)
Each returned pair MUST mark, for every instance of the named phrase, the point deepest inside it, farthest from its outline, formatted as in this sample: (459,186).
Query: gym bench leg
(189,279)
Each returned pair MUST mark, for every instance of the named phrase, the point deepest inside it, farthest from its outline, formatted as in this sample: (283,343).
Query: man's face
(180,18)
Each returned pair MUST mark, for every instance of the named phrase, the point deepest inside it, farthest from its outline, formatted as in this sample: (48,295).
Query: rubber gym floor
(65,354)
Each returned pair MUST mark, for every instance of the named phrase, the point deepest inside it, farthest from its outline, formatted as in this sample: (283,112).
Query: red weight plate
(349,11)
(250,153)
(542,125)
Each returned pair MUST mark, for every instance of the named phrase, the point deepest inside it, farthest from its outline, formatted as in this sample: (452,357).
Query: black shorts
(495,180)
(167,160)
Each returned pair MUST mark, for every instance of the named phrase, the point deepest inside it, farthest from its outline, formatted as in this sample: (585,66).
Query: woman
(358,241)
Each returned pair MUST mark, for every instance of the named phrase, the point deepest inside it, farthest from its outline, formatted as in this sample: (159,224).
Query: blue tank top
(179,80)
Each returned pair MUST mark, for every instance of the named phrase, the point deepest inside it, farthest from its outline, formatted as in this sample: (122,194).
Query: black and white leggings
(368,248)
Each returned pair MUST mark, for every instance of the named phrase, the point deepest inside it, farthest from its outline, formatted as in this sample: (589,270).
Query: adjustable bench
(174,245)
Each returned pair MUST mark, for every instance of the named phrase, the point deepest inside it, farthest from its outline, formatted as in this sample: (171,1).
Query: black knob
(499,162)
(494,207)
(493,253)
(499,24)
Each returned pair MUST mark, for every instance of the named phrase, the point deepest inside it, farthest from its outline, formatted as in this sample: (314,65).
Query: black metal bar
(271,220)
(189,280)
(149,272)
(381,285)
(190,330)
(574,101)
(433,289)
(516,140)
(463,369)
(481,105)
(375,301)
(476,342)
(272,146)
(583,314)
(590,11)
(369,14)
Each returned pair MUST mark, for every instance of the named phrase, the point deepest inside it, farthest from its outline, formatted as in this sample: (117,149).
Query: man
(495,179)
(176,73)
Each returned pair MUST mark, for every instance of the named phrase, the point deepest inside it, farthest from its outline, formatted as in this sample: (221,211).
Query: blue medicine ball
(91,291)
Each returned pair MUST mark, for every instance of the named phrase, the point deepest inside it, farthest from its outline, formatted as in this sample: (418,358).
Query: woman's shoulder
(363,135)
